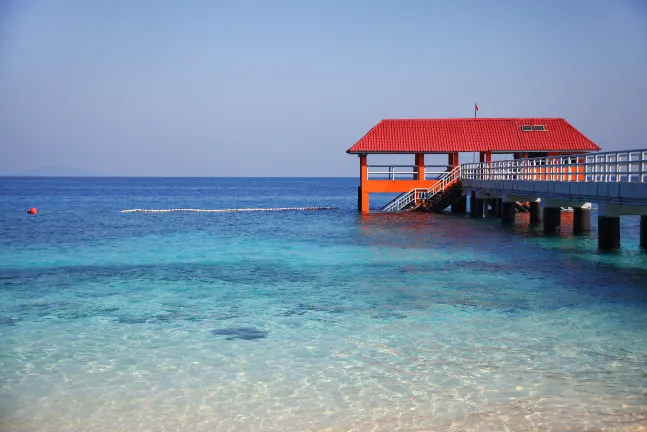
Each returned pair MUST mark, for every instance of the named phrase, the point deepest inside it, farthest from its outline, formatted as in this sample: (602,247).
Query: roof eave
(475,151)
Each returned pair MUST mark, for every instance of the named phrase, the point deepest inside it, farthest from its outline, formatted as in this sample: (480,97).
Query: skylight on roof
(530,128)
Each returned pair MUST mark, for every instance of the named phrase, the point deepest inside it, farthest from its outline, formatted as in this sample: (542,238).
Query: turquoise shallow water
(292,321)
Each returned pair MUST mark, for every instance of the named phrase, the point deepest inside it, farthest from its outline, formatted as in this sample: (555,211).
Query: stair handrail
(407,198)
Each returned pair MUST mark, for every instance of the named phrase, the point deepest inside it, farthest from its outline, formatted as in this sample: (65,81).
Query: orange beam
(390,186)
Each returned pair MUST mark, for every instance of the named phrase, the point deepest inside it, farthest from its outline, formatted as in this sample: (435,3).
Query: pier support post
(472,204)
(643,231)
(581,220)
(478,208)
(362,197)
(460,206)
(362,200)
(609,232)
(552,220)
(482,208)
(359,198)
(496,206)
(535,211)
(507,212)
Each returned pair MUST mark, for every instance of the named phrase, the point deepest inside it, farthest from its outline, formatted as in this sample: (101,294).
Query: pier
(553,166)
(615,181)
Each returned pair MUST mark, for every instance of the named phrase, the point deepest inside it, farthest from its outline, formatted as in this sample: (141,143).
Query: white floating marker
(226,210)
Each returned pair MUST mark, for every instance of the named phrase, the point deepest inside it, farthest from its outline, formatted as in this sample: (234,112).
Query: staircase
(443,193)
(443,199)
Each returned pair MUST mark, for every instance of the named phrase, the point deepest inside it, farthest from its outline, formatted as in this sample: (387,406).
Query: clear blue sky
(262,88)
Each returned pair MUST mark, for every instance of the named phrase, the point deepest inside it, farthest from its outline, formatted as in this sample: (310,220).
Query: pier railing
(621,166)
(405,172)
(446,180)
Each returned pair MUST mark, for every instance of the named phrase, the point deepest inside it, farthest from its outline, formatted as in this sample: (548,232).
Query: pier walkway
(615,181)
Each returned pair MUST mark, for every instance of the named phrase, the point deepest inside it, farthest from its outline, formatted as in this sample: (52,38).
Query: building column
(362,200)
(362,197)
(643,231)
(485,157)
(460,206)
(452,160)
(581,220)
(420,163)
(535,211)
(552,220)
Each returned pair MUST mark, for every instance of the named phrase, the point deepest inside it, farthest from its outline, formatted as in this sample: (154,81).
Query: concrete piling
(460,206)
(552,220)
(508,212)
(496,207)
(478,208)
(581,220)
(535,211)
(608,232)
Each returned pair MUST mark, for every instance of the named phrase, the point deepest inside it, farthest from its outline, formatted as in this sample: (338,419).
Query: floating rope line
(224,210)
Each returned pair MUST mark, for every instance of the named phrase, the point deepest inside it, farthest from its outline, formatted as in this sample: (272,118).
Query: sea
(307,320)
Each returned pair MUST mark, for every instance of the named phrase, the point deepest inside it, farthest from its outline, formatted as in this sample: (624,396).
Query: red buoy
(32,210)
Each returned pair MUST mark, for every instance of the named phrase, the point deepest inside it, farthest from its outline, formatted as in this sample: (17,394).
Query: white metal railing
(436,172)
(398,172)
(391,171)
(620,166)
(414,195)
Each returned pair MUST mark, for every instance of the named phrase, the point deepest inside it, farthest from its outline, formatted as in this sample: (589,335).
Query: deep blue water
(306,320)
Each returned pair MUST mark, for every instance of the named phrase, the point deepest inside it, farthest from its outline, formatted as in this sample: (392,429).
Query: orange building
(519,137)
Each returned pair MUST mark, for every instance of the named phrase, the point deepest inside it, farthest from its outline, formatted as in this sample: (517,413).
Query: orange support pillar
(420,166)
(452,160)
(362,197)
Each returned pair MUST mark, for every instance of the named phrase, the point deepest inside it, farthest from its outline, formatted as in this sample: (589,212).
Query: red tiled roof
(472,135)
